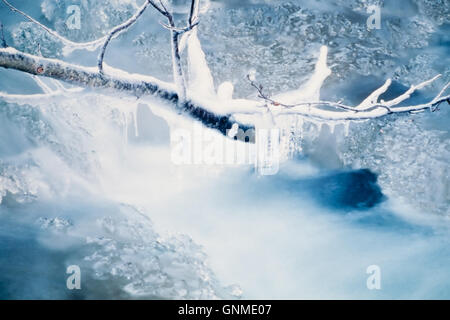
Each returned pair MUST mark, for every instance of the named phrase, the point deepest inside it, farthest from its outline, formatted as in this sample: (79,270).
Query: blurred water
(77,187)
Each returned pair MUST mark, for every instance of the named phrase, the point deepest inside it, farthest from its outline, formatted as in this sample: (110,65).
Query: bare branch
(154,5)
(117,30)
(193,14)
(164,8)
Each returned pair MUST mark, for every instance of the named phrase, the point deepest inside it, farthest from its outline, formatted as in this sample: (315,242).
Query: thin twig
(180,31)
(262,95)
(117,30)
(193,14)
(384,105)
(154,5)
(164,7)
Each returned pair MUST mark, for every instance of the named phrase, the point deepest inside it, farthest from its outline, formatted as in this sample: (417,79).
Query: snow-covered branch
(104,41)
(117,80)
(197,97)
(305,101)
(175,33)
(368,109)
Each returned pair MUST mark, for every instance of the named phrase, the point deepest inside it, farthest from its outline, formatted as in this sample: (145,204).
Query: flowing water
(88,179)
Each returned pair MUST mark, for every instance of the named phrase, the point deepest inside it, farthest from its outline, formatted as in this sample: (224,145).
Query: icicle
(300,123)
(268,151)
(346,128)
(320,126)
(314,125)
(125,123)
(134,117)
(332,126)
